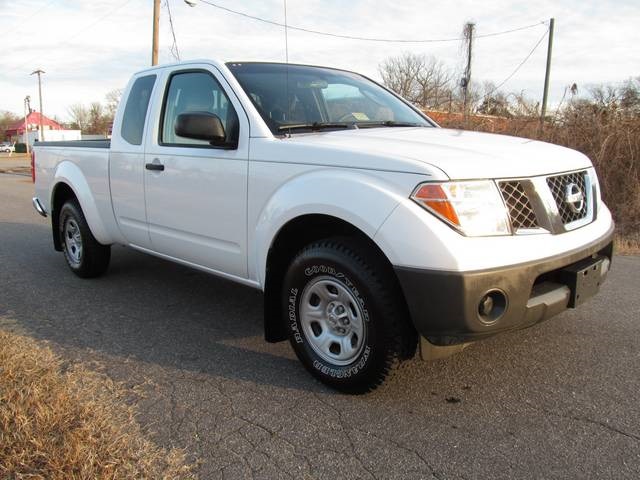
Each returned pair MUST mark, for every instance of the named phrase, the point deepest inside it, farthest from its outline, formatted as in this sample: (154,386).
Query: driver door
(196,194)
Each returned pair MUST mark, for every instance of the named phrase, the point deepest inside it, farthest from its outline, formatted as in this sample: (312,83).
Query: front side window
(191,92)
(298,97)
(135,111)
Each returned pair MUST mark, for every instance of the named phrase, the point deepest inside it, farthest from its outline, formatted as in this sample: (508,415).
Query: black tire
(93,257)
(342,265)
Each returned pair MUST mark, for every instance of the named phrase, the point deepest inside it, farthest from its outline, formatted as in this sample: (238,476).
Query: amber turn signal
(433,196)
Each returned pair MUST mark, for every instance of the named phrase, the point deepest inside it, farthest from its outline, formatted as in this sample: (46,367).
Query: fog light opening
(492,306)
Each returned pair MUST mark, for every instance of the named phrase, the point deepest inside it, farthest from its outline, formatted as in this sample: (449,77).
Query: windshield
(320,98)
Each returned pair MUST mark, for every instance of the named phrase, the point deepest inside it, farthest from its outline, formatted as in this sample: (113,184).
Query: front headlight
(474,208)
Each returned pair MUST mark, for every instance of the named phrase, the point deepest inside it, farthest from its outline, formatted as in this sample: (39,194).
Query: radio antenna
(286,33)
(286,53)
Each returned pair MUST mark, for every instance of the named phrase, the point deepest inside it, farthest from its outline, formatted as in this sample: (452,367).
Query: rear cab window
(135,111)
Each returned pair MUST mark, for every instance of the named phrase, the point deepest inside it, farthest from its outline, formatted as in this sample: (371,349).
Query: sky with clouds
(88,48)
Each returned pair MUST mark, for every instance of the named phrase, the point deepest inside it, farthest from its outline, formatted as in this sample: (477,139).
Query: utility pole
(545,95)
(156,32)
(40,72)
(468,38)
(27,111)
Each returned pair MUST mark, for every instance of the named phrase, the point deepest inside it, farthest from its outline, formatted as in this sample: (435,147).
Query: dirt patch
(60,421)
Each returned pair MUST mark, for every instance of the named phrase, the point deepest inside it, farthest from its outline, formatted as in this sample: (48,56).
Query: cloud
(90,47)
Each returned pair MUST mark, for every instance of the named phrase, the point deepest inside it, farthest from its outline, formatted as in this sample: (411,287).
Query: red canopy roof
(33,119)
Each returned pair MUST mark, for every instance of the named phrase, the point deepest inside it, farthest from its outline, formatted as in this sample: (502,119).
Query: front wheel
(346,319)
(85,256)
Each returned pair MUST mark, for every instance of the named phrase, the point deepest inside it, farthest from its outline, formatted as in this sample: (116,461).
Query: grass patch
(60,421)
(627,245)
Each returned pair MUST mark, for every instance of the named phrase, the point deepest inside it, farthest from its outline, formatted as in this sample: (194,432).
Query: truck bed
(76,143)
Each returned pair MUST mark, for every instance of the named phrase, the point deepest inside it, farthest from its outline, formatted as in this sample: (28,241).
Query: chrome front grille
(521,212)
(555,204)
(558,185)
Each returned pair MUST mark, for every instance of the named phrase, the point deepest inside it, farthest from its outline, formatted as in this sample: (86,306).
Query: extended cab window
(135,111)
(196,92)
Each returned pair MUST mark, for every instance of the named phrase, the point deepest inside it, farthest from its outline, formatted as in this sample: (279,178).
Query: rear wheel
(85,256)
(346,320)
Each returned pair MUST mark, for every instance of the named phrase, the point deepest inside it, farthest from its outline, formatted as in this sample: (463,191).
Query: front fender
(362,198)
(71,175)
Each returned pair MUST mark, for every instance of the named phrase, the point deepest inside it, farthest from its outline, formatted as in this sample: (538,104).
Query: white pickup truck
(370,230)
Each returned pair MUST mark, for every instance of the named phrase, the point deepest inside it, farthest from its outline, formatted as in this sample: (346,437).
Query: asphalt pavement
(559,400)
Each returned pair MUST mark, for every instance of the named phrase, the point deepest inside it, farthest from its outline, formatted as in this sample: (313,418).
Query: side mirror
(201,126)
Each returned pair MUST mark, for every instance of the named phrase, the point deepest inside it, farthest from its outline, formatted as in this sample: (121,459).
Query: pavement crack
(585,419)
(602,424)
(346,434)
(273,434)
(404,447)
(396,444)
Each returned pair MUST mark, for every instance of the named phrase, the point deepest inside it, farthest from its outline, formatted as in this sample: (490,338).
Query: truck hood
(459,154)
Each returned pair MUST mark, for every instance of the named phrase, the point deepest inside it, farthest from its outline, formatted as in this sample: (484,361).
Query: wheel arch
(289,240)
(60,194)
(70,182)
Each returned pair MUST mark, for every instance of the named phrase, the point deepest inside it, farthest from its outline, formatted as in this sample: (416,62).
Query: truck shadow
(143,308)
(162,313)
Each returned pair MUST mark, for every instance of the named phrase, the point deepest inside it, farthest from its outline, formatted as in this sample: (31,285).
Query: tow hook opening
(606,264)
(492,306)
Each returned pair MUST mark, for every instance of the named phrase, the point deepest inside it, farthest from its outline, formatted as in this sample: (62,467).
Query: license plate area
(584,279)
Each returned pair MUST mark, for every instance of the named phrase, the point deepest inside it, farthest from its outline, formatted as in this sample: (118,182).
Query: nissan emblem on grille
(571,195)
(574,198)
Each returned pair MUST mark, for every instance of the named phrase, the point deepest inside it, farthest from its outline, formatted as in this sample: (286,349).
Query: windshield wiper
(315,126)
(389,123)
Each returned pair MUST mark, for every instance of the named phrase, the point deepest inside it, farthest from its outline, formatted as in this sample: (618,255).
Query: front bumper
(446,307)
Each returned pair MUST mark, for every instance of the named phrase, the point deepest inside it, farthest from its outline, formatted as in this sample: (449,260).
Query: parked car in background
(7,147)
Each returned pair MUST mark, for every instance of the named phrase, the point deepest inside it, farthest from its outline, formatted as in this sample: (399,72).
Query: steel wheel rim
(332,321)
(73,241)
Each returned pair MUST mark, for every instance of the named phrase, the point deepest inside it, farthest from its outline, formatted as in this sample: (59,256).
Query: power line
(109,13)
(29,17)
(518,67)
(366,39)
(74,35)
(174,48)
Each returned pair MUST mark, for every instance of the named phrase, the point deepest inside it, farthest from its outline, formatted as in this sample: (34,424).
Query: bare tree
(435,83)
(630,95)
(494,102)
(400,74)
(112,100)
(96,118)
(420,79)
(522,106)
(98,121)
(79,116)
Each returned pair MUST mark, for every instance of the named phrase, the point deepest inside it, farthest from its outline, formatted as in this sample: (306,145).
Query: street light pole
(39,72)
(156,32)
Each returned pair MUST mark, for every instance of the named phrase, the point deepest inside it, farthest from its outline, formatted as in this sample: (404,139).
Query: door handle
(155,166)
